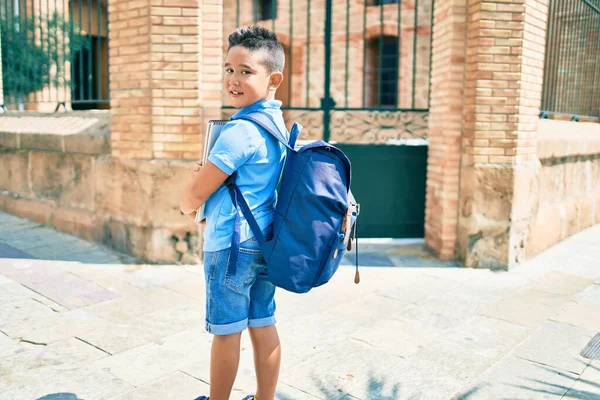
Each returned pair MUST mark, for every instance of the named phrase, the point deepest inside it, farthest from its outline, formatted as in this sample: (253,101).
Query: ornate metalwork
(378,126)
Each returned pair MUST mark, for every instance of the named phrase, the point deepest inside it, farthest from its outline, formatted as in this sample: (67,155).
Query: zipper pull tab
(356,277)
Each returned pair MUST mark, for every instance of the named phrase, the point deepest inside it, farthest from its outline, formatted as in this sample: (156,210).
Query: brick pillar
(445,126)
(157,61)
(498,165)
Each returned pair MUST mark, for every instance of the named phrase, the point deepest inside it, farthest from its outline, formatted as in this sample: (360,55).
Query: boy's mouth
(235,93)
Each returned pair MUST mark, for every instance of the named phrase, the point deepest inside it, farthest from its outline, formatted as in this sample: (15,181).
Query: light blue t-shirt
(258,159)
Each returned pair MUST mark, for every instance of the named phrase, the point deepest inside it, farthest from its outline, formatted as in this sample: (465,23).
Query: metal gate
(358,75)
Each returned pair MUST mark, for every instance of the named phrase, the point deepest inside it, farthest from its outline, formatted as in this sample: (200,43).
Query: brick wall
(483,124)
(445,127)
(163,76)
(356,30)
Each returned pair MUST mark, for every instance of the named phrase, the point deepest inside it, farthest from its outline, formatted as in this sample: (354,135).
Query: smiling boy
(253,70)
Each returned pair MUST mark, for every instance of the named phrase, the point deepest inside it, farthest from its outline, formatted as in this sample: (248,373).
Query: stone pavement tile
(150,276)
(50,238)
(287,392)
(587,386)
(192,286)
(5,280)
(57,327)
(447,310)
(6,218)
(125,309)
(304,335)
(590,295)
(18,312)
(97,256)
(62,251)
(366,310)
(67,289)
(515,378)
(76,383)
(26,367)
(9,346)
(580,314)
(119,287)
(432,375)
(175,386)
(21,235)
(350,366)
(481,337)
(16,226)
(15,291)
(417,288)
(526,307)
(7,251)
(144,364)
(556,345)
(147,328)
(562,284)
(398,337)
(291,305)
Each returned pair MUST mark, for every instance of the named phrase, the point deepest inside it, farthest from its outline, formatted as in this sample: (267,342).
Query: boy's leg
(224,361)
(267,360)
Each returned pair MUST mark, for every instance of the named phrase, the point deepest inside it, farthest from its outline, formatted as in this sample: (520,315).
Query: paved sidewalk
(78,321)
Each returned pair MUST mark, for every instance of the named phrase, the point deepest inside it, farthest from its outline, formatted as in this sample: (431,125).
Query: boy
(253,71)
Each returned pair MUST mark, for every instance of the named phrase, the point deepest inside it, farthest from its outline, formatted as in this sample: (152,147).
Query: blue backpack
(314,217)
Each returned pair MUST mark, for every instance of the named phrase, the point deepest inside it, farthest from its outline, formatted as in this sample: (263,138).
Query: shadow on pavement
(59,396)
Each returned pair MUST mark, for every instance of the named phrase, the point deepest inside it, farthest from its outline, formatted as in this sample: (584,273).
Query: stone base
(129,205)
(496,204)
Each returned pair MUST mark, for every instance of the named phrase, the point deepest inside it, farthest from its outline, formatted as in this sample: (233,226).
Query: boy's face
(246,80)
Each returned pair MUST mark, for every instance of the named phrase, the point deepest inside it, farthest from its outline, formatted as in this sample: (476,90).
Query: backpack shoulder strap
(267,124)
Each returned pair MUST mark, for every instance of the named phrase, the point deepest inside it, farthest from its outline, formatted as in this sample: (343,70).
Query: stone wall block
(526,191)
(79,223)
(169,179)
(493,197)
(41,141)
(596,196)
(594,178)
(552,180)
(14,176)
(9,140)
(586,214)
(575,178)
(66,178)
(571,207)
(545,228)
(489,246)
(182,245)
(88,144)
(128,238)
(124,188)
(35,210)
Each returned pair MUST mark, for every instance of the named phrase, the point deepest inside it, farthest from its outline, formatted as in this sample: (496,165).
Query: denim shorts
(246,299)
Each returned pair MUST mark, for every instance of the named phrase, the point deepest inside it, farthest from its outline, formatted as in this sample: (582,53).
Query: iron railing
(572,66)
(356,70)
(54,52)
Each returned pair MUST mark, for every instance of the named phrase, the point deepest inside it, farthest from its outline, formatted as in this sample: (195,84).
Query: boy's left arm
(201,186)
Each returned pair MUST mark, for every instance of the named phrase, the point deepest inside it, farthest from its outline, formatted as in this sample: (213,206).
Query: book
(213,130)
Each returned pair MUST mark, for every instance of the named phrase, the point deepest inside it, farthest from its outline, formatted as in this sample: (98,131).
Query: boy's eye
(228,70)
(245,72)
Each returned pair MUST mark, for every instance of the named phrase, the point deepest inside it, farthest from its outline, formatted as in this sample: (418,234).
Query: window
(382,72)
(265,9)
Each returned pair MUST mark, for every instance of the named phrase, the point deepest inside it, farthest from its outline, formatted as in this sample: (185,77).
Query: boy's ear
(275,80)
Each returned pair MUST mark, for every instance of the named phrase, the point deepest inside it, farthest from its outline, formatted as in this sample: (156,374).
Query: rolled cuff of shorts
(227,329)
(261,322)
